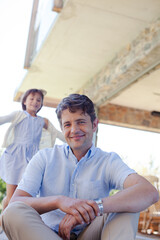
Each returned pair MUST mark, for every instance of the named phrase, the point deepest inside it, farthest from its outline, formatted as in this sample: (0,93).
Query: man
(73,182)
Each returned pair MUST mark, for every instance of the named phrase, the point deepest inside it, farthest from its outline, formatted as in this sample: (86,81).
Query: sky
(137,148)
(14,25)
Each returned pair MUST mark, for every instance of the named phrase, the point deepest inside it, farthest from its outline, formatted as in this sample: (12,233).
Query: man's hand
(66,225)
(82,210)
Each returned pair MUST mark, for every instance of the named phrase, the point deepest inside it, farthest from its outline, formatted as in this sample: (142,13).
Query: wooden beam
(129,117)
(32,37)
(58,5)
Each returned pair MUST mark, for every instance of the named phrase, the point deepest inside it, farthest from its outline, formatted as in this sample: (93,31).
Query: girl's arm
(7,118)
(45,123)
(49,126)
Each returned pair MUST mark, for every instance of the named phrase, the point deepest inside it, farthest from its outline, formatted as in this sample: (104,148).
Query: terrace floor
(141,236)
(138,237)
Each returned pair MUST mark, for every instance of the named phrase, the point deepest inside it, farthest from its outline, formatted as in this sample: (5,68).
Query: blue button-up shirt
(56,171)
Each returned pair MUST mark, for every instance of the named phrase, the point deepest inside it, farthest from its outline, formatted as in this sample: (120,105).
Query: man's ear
(95,124)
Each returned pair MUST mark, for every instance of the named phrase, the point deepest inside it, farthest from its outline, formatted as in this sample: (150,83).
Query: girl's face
(33,103)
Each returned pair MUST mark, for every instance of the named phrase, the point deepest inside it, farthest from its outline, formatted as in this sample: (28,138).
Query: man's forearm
(82,210)
(41,205)
(133,199)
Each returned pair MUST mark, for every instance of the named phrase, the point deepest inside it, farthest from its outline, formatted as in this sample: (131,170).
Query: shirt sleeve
(7,118)
(55,133)
(33,176)
(118,171)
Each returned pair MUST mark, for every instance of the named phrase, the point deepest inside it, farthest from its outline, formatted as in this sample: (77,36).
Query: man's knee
(13,214)
(128,218)
(122,225)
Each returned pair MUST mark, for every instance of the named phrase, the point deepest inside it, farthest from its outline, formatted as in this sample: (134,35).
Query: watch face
(98,201)
(100,206)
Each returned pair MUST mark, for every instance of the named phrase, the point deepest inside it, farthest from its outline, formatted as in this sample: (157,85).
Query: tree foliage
(2,190)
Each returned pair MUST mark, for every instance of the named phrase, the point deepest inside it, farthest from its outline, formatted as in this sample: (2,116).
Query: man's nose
(74,128)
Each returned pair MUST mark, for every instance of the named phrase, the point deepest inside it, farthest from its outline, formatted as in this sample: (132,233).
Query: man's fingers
(91,212)
(82,210)
(64,230)
(86,211)
(94,205)
(77,214)
(66,225)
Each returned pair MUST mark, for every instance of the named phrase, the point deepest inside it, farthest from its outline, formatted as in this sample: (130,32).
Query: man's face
(78,130)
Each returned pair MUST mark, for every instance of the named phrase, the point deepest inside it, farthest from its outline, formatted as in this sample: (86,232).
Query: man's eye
(66,125)
(81,122)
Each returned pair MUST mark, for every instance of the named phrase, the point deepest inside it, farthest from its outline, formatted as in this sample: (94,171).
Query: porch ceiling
(85,39)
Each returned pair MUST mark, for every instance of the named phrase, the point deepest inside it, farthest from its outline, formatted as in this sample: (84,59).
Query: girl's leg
(10,190)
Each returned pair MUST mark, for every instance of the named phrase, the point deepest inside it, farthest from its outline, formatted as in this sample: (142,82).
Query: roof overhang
(107,50)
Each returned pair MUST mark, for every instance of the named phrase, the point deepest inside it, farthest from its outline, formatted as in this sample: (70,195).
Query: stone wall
(132,62)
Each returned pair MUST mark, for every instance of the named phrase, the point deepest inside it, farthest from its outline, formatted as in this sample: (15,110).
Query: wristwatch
(100,205)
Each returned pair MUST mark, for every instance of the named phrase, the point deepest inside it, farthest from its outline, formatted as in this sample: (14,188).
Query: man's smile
(77,137)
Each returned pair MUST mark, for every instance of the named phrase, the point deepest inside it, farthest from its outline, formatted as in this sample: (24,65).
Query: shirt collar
(88,155)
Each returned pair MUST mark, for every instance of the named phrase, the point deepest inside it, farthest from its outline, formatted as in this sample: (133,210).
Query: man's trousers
(21,222)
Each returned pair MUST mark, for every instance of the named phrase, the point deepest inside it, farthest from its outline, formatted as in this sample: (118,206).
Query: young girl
(22,139)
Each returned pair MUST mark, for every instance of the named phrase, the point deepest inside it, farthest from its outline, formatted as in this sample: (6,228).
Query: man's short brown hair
(76,102)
